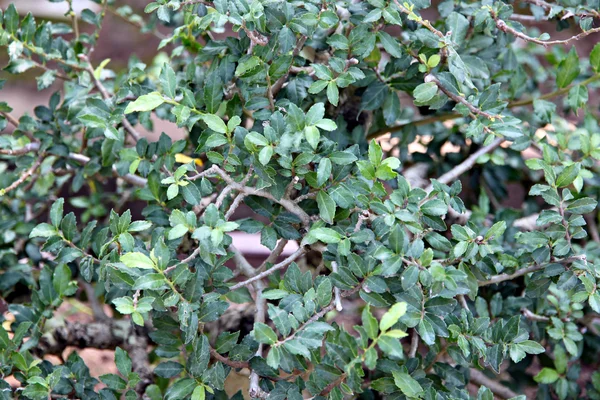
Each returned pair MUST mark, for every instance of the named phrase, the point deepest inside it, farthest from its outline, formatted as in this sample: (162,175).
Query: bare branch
(497,388)
(289,205)
(274,268)
(466,165)
(525,271)
(503,26)
(460,99)
(23,177)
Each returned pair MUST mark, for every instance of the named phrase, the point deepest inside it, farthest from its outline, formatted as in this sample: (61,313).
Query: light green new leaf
(147,102)
(137,260)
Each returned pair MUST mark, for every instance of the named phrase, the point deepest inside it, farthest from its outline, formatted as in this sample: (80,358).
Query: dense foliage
(422,288)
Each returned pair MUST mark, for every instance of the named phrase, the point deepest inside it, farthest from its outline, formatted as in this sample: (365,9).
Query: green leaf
(326,235)
(215,123)
(333,94)
(43,230)
(496,230)
(425,92)
(392,316)
(326,206)
(199,393)
(247,66)
(547,376)
(324,292)
(407,384)
(391,45)
(122,361)
(568,69)
(369,323)
(264,334)
(150,281)
(342,157)
(61,278)
(531,347)
(595,58)
(181,389)
(582,206)
(312,135)
(137,260)
(56,212)
(324,171)
(168,369)
(265,154)
(568,175)
(434,207)
(168,81)
(147,102)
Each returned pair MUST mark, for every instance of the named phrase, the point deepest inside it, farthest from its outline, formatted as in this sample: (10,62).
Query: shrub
(404,284)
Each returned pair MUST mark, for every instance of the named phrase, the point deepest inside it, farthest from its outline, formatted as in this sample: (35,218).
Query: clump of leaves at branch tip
(404,284)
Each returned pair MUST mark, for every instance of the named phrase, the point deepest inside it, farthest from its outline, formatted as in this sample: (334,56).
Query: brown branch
(591,221)
(414,344)
(279,83)
(319,315)
(268,272)
(507,29)
(128,127)
(23,150)
(23,177)
(497,388)
(525,271)
(460,99)
(289,205)
(466,165)
(227,361)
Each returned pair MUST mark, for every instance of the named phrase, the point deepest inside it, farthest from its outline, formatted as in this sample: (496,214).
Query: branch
(414,344)
(227,361)
(466,165)
(500,390)
(532,268)
(128,127)
(507,29)
(289,205)
(460,99)
(279,83)
(23,177)
(23,150)
(319,315)
(268,272)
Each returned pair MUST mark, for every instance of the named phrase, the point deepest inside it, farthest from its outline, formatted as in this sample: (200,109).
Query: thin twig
(460,99)
(466,165)
(279,83)
(337,299)
(496,387)
(414,344)
(507,29)
(532,268)
(128,127)
(289,205)
(23,177)
(274,268)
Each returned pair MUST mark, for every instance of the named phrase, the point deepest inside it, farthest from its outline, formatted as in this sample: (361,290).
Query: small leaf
(147,102)
(137,260)
(407,384)
(326,206)
(215,123)
(392,316)
(547,376)
(264,334)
